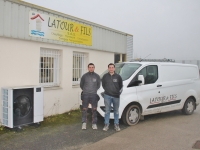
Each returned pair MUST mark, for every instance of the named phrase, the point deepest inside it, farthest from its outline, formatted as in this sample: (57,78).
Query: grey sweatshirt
(112,84)
(90,83)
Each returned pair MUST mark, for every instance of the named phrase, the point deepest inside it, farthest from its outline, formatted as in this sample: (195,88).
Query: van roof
(153,60)
(146,62)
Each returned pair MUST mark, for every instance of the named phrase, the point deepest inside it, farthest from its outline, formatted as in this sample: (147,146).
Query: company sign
(49,27)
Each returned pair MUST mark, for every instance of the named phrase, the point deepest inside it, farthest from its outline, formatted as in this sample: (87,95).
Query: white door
(150,94)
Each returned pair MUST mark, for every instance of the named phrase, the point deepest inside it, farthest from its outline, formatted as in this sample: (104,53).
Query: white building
(48,48)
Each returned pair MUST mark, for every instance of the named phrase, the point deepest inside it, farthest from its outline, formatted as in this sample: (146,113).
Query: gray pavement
(56,137)
(166,131)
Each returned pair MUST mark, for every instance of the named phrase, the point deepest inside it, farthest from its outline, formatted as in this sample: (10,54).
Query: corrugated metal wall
(129,48)
(14,23)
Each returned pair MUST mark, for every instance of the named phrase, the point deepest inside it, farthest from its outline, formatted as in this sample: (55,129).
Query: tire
(131,115)
(189,106)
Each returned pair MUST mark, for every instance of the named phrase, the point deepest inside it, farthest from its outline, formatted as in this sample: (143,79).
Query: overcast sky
(162,28)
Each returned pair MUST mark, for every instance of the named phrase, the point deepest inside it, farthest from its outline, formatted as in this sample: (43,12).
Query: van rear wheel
(189,106)
(131,115)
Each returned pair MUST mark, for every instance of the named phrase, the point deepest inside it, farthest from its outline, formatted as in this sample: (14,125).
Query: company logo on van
(164,99)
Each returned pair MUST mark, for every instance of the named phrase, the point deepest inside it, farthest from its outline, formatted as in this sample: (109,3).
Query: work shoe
(84,126)
(117,127)
(94,126)
(106,127)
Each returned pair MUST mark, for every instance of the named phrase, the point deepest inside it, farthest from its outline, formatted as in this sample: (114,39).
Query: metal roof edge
(21,2)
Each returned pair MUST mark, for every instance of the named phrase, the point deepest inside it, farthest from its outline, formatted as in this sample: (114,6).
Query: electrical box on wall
(22,105)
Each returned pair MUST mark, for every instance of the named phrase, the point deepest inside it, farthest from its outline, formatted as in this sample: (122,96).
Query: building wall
(20,53)
(14,16)
(19,64)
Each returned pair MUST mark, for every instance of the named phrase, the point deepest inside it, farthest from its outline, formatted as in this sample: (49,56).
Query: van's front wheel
(189,106)
(131,115)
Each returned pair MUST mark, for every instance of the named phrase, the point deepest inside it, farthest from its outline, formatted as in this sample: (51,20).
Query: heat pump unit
(22,105)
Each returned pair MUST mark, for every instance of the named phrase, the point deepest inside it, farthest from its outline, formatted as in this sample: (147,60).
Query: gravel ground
(59,137)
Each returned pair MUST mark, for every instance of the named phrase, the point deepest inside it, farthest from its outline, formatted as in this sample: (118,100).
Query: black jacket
(90,83)
(112,84)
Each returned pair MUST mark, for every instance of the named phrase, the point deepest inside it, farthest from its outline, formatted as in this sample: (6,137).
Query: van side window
(150,74)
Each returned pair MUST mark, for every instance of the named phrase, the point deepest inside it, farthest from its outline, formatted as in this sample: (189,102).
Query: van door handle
(159,85)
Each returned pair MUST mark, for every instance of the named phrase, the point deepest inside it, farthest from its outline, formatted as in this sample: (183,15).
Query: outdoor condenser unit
(22,105)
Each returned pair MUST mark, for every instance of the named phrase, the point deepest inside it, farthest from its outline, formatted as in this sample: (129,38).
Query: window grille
(49,67)
(79,67)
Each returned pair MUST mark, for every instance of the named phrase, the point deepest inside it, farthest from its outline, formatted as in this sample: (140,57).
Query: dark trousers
(86,100)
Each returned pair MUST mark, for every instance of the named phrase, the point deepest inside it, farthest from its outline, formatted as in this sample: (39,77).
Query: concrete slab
(166,131)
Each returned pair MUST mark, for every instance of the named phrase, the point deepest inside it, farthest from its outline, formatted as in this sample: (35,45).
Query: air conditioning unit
(22,105)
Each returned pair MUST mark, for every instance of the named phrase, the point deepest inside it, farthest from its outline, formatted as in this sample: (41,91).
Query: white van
(154,87)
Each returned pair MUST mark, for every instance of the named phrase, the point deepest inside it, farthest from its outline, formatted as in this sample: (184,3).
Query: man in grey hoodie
(90,83)
(112,84)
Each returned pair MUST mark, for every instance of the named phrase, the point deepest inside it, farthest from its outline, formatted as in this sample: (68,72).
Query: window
(125,70)
(49,67)
(119,58)
(79,67)
(150,74)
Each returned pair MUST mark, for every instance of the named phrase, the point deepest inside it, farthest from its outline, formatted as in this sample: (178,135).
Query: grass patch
(67,118)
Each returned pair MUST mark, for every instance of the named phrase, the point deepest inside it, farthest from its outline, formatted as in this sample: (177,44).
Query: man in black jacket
(112,84)
(90,83)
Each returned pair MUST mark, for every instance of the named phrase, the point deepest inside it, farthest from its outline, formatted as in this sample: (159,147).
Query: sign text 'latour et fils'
(64,25)
(45,26)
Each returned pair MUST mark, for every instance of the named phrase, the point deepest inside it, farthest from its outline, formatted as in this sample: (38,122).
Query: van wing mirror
(141,78)
(134,83)
(138,82)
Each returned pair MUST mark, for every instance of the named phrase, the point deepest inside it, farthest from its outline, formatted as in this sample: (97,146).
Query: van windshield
(125,70)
